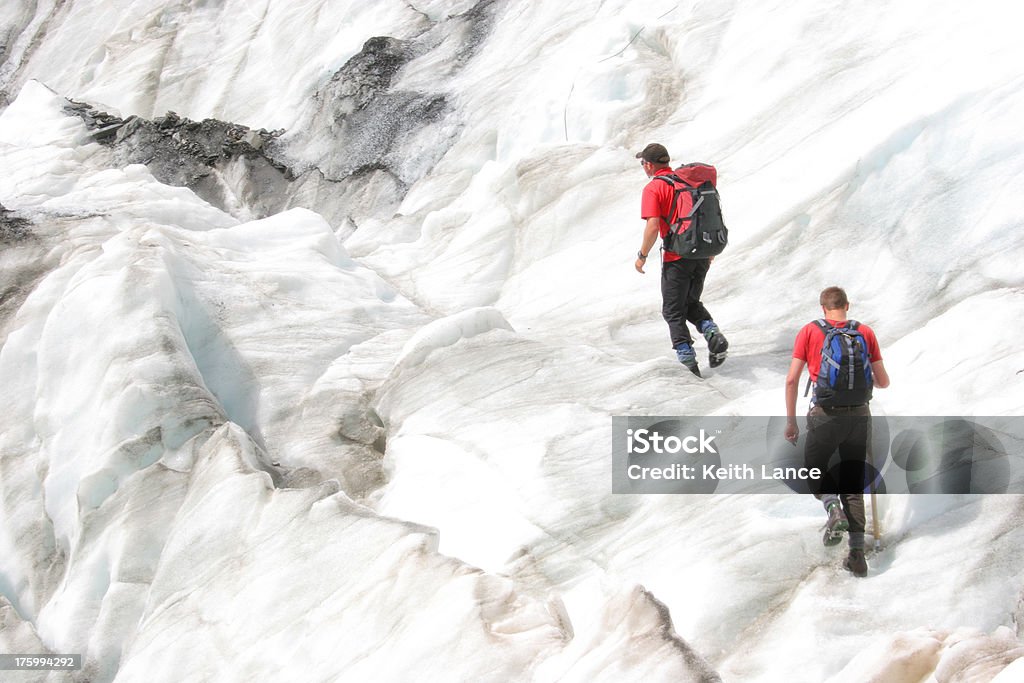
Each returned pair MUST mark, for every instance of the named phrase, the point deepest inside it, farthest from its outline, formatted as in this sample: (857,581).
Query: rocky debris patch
(479,22)
(358,106)
(357,152)
(203,143)
(383,131)
(13,228)
(197,154)
(23,263)
(369,72)
(379,133)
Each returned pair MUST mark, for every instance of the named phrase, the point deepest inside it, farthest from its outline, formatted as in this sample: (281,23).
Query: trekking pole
(874,519)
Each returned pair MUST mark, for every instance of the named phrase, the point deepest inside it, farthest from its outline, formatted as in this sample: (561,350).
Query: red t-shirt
(811,338)
(656,199)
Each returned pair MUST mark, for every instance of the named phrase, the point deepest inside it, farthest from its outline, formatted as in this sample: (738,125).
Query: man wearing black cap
(682,280)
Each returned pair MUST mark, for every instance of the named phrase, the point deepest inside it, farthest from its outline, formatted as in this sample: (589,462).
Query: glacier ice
(361,431)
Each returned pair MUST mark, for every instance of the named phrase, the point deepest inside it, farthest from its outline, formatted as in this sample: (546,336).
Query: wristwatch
(641,255)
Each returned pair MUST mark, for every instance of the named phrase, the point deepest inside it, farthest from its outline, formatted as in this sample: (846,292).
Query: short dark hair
(654,154)
(833,298)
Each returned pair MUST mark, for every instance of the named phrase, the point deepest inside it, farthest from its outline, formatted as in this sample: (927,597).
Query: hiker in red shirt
(682,280)
(839,418)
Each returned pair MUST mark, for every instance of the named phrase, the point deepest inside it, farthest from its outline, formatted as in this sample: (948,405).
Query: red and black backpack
(696,229)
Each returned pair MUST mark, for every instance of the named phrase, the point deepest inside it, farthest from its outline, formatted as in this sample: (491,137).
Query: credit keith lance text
(721,472)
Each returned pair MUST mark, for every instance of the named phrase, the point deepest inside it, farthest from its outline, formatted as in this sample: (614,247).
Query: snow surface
(289,449)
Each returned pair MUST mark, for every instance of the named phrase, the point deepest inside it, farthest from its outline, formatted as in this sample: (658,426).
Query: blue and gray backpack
(844,376)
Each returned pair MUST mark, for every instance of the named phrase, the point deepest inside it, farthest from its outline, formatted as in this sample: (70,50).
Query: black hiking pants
(837,444)
(682,284)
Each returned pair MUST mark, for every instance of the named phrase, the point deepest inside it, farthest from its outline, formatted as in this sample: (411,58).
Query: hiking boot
(835,526)
(855,562)
(717,344)
(686,356)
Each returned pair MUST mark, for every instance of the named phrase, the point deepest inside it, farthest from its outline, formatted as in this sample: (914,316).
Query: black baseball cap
(654,153)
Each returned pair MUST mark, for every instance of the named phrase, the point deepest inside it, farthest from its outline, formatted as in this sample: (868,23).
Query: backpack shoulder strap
(827,329)
(824,327)
(678,186)
(672,179)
